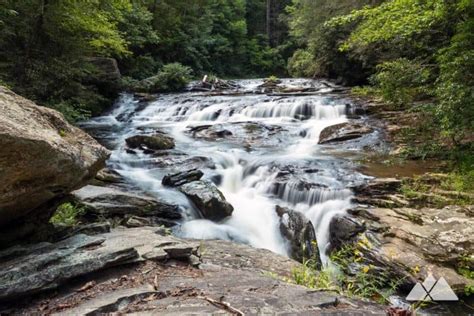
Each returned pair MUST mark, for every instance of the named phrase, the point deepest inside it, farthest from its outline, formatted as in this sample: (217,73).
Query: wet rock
(31,269)
(343,229)
(210,132)
(43,158)
(342,132)
(110,202)
(208,199)
(299,232)
(154,142)
(181,178)
(109,176)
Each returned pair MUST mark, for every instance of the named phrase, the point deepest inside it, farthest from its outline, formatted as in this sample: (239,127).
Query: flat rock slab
(249,280)
(219,290)
(27,271)
(110,202)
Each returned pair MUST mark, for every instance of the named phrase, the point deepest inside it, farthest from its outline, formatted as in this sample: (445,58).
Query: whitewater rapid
(269,157)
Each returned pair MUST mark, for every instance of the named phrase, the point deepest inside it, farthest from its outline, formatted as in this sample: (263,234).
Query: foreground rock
(28,270)
(42,157)
(299,232)
(109,203)
(153,142)
(408,242)
(208,199)
(235,283)
(343,132)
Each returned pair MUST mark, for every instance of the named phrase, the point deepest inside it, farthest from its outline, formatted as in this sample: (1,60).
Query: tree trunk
(269,21)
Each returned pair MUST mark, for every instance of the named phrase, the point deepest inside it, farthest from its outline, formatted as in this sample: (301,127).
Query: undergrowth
(349,274)
(67,215)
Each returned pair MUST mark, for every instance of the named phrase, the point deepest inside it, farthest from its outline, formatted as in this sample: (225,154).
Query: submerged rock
(110,202)
(153,142)
(299,232)
(208,199)
(342,132)
(180,178)
(210,132)
(42,157)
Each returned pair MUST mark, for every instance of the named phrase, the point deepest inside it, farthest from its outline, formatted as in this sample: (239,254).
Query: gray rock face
(153,142)
(42,156)
(110,202)
(180,178)
(229,273)
(208,199)
(28,270)
(342,132)
(299,232)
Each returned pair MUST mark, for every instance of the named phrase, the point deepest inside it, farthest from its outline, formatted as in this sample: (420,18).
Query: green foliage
(456,81)
(368,281)
(172,77)
(46,46)
(302,64)
(402,81)
(67,215)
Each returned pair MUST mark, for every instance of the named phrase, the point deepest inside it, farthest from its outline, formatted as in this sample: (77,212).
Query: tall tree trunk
(269,21)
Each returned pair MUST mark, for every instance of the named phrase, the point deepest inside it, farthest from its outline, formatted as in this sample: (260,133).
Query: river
(260,149)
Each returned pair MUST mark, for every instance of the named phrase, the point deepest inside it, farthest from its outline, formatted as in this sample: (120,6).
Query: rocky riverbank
(120,257)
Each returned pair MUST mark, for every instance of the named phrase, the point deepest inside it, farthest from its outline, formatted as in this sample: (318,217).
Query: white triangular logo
(432,290)
(443,292)
(418,293)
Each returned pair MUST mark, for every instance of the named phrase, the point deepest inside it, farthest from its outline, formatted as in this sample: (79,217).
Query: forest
(341,136)
(406,51)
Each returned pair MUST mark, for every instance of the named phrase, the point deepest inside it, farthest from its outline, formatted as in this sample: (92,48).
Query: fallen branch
(223,305)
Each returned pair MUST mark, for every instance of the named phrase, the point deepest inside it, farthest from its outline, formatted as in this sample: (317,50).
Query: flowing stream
(260,149)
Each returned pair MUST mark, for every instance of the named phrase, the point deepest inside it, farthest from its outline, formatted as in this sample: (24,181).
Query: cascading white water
(268,136)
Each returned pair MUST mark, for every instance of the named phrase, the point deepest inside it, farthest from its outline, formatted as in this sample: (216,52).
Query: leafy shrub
(302,64)
(402,81)
(455,83)
(172,77)
(67,215)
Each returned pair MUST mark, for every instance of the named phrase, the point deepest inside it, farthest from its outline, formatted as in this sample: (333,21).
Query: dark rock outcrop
(42,157)
(299,232)
(342,132)
(153,142)
(208,199)
(343,229)
(180,178)
(109,202)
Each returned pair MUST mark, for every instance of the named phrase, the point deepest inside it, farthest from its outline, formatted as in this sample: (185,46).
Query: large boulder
(342,132)
(154,142)
(299,232)
(208,199)
(42,156)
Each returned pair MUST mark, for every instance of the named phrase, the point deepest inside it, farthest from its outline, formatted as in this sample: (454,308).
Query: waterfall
(269,157)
